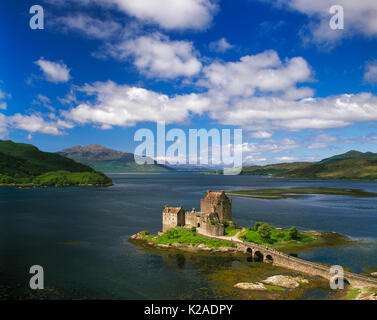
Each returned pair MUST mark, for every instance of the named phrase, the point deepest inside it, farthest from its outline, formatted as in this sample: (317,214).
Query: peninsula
(25,165)
(295,193)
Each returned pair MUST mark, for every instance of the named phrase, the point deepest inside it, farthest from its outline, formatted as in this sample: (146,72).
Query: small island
(297,193)
(212,230)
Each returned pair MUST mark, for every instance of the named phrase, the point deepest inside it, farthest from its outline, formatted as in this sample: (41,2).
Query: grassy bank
(58,178)
(186,237)
(295,193)
(267,235)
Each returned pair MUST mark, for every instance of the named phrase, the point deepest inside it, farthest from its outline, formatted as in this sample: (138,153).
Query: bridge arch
(269,259)
(345,281)
(258,256)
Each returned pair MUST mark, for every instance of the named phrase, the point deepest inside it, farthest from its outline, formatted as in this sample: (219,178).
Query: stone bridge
(274,257)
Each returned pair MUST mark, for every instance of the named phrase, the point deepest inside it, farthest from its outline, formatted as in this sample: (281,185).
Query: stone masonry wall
(172,220)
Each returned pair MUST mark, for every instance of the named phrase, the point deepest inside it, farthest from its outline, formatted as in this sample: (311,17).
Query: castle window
(198,225)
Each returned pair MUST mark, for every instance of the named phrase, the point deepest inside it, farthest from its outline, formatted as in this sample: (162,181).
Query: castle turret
(218,203)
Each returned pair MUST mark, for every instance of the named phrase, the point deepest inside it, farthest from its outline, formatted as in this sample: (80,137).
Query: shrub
(257,225)
(226,223)
(213,222)
(265,231)
(193,229)
(145,233)
(293,233)
(173,234)
(280,234)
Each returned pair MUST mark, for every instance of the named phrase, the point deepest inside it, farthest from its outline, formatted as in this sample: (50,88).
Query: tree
(264,231)
(293,233)
(257,225)
(225,223)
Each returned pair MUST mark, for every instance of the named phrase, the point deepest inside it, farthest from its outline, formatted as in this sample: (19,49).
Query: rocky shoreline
(278,282)
(273,283)
(188,248)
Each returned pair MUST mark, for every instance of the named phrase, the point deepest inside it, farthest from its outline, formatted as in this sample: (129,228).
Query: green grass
(273,288)
(352,294)
(187,237)
(287,193)
(231,231)
(279,238)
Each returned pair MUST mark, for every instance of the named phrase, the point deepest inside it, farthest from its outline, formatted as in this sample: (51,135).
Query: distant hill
(350,155)
(274,169)
(351,165)
(104,159)
(26,164)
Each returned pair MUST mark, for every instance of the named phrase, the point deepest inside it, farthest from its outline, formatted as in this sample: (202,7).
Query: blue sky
(102,69)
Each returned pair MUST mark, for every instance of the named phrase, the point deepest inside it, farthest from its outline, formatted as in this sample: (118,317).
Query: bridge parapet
(286,261)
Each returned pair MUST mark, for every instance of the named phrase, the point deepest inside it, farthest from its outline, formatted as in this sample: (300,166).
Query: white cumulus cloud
(264,72)
(259,93)
(156,55)
(54,71)
(220,45)
(91,27)
(360,18)
(35,123)
(3,96)
(123,105)
(3,126)
(168,14)
(371,72)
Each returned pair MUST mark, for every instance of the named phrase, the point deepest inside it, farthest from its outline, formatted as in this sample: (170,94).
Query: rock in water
(367,296)
(285,281)
(250,286)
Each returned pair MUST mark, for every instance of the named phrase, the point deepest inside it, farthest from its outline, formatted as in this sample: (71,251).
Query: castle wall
(226,210)
(204,226)
(190,220)
(181,218)
(208,229)
(172,220)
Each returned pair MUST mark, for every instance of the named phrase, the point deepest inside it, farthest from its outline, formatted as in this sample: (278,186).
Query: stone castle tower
(214,208)
(217,203)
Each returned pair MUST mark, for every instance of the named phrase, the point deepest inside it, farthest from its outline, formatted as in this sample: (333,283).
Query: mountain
(26,164)
(351,165)
(105,159)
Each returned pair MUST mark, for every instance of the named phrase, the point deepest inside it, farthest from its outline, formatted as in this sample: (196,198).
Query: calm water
(79,235)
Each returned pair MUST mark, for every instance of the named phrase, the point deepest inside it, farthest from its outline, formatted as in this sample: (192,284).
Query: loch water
(79,236)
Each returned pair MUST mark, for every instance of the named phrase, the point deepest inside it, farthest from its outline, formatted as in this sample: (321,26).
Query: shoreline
(364,288)
(24,186)
(328,239)
(301,178)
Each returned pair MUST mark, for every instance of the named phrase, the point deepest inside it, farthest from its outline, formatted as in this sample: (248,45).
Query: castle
(215,207)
